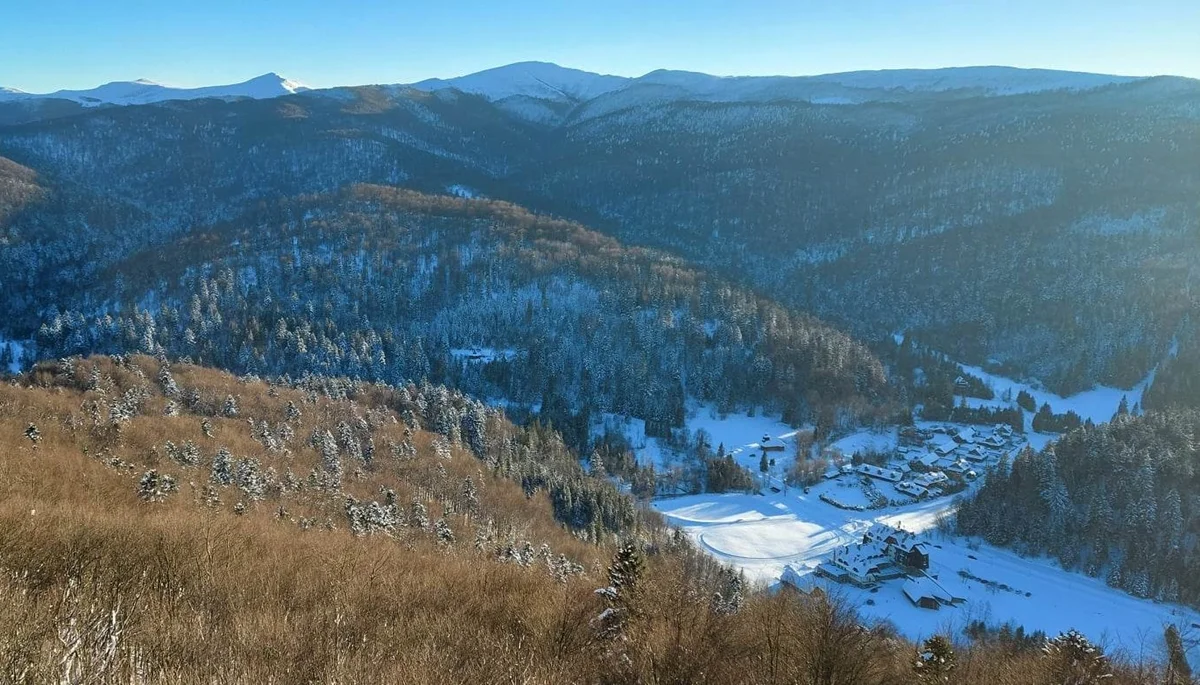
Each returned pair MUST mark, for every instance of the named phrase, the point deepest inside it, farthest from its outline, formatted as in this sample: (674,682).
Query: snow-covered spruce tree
(612,627)
(292,412)
(155,487)
(621,595)
(250,480)
(935,661)
(331,461)
(222,468)
(1073,660)
(445,536)
(167,382)
(728,597)
(230,409)
(418,516)
(470,496)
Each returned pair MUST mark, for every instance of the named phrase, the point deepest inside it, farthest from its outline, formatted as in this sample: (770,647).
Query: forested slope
(1120,501)
(386,284)
(175,524)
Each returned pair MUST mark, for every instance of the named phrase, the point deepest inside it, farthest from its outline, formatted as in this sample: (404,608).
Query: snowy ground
(18,350)
(1098,404)
(762,534)
(740,433)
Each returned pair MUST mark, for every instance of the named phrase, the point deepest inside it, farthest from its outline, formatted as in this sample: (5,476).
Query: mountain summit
(142,91)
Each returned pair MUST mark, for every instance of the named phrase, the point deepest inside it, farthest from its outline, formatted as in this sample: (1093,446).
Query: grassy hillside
(107,575)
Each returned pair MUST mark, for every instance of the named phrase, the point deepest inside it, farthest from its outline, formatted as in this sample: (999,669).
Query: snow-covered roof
(932,478)
(881,534)
(928,459)
(910,488)
(860,558)
(924,586)
(880,472)
(943,444)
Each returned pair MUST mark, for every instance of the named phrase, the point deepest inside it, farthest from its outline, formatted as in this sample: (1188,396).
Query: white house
(861,564)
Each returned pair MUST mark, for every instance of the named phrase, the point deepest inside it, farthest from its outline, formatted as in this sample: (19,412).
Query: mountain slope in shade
(143,92)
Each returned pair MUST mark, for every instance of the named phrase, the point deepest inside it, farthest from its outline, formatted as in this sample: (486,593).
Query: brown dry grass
(97,586)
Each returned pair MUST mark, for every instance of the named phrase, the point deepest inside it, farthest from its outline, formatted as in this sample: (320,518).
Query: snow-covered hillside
(541,80)
(603,94)
(983,80)
(143,92)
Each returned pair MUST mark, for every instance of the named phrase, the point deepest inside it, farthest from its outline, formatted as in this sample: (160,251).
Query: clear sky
(50,44)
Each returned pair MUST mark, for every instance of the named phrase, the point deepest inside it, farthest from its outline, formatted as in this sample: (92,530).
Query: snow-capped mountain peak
(144,91)
(542,80)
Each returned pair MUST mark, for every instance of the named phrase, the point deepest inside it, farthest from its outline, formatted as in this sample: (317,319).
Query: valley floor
(788,527)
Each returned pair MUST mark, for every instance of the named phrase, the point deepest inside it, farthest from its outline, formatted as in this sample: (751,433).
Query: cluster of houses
(927,459)
(948,444)
(885,553)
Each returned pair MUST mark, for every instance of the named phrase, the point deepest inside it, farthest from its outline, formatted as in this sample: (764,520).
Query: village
(927,462)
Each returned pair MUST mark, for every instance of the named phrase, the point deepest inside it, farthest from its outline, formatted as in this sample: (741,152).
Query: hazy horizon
(58,45)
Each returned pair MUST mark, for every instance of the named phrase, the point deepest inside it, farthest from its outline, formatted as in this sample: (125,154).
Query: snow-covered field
(761,534)
(1098,404)
(740,433)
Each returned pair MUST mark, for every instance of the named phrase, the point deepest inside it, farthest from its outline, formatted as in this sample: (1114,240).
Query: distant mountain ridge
(143,92)
(549,81)
(545,81)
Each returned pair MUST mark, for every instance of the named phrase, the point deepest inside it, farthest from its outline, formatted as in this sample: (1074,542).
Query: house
(975,454)
(943,445)
(930,479)
(905,548)
(961,383)
(911,489)
(808,583)
(965,436)
(957,467)
(861,564)
(767,445)
(927,593)
(890,475)
(928,459)
(832,472)
(994,440)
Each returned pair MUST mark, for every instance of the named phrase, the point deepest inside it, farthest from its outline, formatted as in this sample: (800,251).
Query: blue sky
(51,44)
